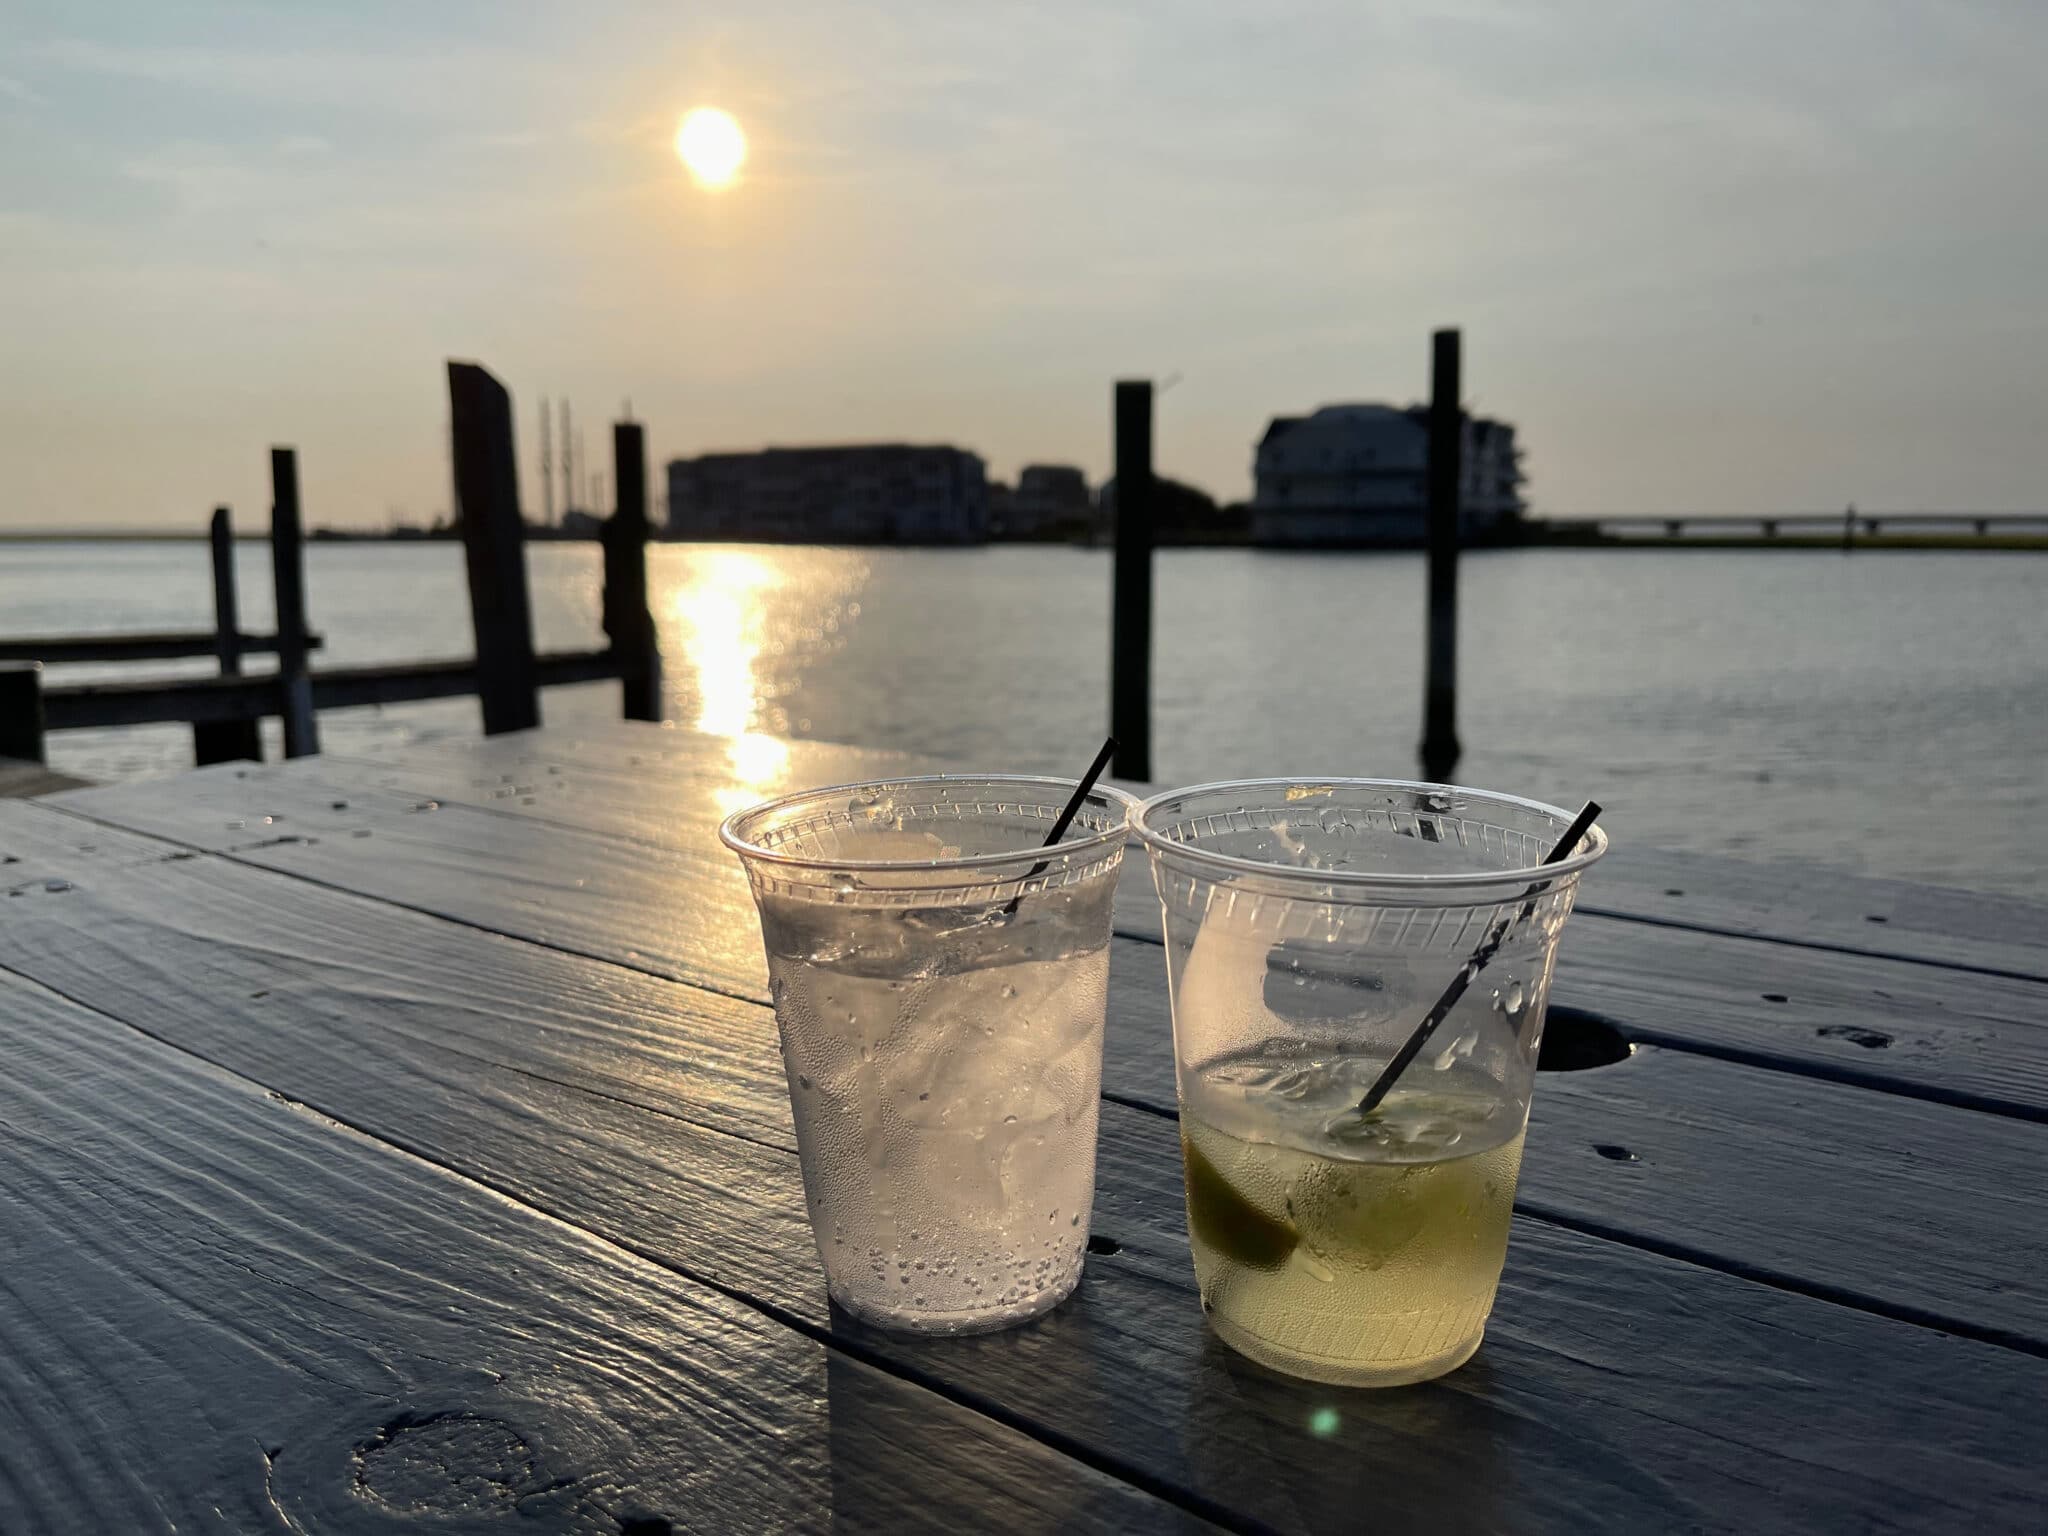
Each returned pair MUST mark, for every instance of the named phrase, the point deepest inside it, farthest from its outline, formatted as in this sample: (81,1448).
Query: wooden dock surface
(403,1143)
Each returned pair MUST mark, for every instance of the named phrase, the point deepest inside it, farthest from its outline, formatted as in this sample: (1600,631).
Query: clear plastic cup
(939,981)
(1311,925)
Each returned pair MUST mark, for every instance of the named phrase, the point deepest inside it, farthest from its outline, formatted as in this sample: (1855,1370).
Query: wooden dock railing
(506,672)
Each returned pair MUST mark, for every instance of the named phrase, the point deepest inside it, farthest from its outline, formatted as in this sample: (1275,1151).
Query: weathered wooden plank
(1617,1390)
(611,770)
(165,646)
(1959,1037)
(1919,1211)
(669,787)
(1816,1009)
(1816,1186)
(674,800)
(1798,903)
(148,931)
(75,706)
(1791,903)
(1966,1037)
(680,908)
(221,1312)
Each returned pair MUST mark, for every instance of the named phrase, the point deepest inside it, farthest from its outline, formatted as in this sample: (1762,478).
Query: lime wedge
(1227,1223)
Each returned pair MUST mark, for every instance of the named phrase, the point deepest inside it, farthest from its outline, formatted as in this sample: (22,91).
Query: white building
(1358,475)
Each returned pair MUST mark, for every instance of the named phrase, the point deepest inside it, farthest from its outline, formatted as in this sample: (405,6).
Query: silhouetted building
(863,493)
(1181,514)
(1050,501)
(1358,475)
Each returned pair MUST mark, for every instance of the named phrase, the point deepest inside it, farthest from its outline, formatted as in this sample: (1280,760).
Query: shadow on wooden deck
(19,780)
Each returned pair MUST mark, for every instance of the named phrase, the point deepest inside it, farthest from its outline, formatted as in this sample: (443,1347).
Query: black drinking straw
(1066,820)
(1581,823)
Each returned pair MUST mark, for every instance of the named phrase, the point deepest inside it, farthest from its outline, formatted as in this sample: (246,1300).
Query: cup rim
(1594,845)
(730,834)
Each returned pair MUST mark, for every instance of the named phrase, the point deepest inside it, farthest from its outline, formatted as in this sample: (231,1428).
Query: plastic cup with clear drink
(1311,926)
(939,981)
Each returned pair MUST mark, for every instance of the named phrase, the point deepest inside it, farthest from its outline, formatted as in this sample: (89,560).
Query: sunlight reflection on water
(743,622)
(1819,697)
(722,608)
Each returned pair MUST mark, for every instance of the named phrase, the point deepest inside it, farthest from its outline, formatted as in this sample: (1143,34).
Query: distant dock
(1980,531)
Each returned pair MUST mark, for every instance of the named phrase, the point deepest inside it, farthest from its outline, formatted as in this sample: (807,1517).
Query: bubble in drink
(1361,1250)
(955,1072)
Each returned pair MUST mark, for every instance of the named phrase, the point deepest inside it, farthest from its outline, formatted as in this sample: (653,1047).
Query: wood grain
(1617,1391)
(1798,903)
(222,1312)
(1815,1186)
(1919,1211)
(681,909)
(1645,1367)
(670,792)
(1787,902)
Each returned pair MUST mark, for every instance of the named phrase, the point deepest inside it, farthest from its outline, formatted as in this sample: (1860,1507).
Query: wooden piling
(1440,749)
(21,711)
(227,624)
(487,496)
(288,578)
(226,741)
(1130,667)
(628,623)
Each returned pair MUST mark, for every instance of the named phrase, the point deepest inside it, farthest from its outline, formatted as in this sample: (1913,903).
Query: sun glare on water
(710,143)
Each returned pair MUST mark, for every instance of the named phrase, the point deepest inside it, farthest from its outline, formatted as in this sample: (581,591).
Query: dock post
(1849,528)
(288,577)
(628,624)
(487,499)
(226,741)
(1130,663)
(1440,749)
(21,711)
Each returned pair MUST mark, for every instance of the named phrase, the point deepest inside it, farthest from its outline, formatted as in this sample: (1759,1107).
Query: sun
(710,143)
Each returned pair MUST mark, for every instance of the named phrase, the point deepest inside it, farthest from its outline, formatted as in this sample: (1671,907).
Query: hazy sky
(1722,256)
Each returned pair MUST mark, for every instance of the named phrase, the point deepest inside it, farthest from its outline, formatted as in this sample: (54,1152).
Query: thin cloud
(511,138)
(415,83)
(198,178)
